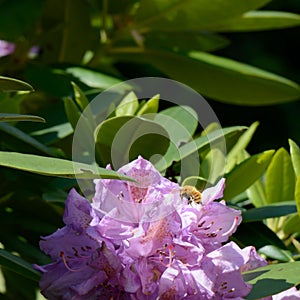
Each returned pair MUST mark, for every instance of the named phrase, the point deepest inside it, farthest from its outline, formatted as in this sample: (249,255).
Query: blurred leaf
(76,37)
(280,178)
(292,225)
(238,83)
(272,279)
(121,139)
(150,106)
(191,14)
(185,41)
(256,193)
(17,17)
(93,78)
(10,84)
(269,211)
(27,139)
(18,117)
(258,20)
(240,145)
(128,106)
(18,265)
(246,173)
(295,156)
(55,167)
(72,111)
(297,194)
(276,253)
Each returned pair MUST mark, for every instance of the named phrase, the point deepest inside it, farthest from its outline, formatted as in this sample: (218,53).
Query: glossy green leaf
(121,139)
(274,252)
(191,14)
(18,117)
(18,265)
(10,84)
(285,275)
(295,156)
(246,173)
(258,20)
(150,106)
(240,145)
(80,97)
(54,166)
(237,83)
(280,178)
(128,106)
(269,211)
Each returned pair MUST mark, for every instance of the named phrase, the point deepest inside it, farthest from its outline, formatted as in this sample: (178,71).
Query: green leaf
(128,106)
(256,194)
(292,225)
(274,252)
(10,85)
(269,211)
(189,14)
(121,139)
(280,178)
(150,106)
(258,20)
(272,279)
(184,41)
(18,117)
(76,35)
(295,156)
(237,83)
(80,97)
(257,234)
(27,139)
(72,111)
(55,167)
(297,194)
(18,265)
(241,145)
(93,78)
(246,173)
(24,15)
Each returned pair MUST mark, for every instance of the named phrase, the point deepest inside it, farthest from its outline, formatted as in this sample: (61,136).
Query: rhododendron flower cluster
(141,240)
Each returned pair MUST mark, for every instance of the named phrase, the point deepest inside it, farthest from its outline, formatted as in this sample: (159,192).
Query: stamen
(234,224)
(62,255)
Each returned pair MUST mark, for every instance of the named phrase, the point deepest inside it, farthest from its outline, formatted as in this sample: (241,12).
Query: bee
(191,194)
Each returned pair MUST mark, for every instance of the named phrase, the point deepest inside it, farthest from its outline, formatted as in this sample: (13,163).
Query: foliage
(82,45)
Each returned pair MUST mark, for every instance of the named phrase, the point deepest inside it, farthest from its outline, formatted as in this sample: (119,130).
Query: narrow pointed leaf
(18,265)
(150,106)
(128,106)
(258,20)
(54,166)
(10,85)
(246,173)
(295,156)
(5,117)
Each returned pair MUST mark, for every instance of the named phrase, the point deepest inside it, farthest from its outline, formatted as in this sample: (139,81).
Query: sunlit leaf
(246,173)
(295,156)
(150,106)
(274,252)
(285,275)
(54,166)
(128,106)
(280,178)
(256,193)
